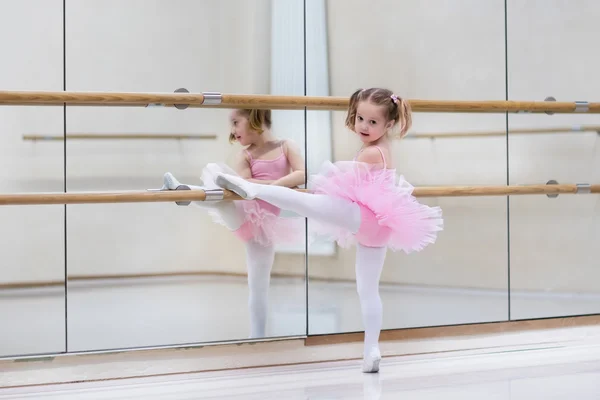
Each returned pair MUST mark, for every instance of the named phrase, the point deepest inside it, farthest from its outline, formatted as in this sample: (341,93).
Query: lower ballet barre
(183,195)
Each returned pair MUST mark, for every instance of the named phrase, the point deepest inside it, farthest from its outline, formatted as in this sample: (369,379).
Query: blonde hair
(256,120)
(397,108)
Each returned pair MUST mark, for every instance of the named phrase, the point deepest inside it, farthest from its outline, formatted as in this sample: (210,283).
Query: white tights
(369,260)
(369,264)
(339,212)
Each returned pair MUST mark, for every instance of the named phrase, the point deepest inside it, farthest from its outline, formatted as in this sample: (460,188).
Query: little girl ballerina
(359,202)
(257,223)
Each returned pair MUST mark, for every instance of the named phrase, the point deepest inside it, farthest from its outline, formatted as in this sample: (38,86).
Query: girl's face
(240,128)
(371,123)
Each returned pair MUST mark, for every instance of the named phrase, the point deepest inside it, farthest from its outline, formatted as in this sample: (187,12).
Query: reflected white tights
(232,217)
(259,259)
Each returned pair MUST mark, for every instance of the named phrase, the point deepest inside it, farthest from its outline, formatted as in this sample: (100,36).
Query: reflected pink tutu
(264,225)
(390,215)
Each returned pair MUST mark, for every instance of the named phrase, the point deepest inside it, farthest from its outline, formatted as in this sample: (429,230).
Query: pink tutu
(390,215)
(263,222)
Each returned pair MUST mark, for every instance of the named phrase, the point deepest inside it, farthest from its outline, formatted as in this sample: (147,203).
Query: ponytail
(351,116)
(405,116)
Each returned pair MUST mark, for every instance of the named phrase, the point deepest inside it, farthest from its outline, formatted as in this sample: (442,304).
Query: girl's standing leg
(259,261)
(369,264)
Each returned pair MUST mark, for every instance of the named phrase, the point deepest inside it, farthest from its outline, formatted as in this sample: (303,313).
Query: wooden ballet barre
(105,197)
(467,191)
(118,136)
(159,196)
(526,131)
(276,102)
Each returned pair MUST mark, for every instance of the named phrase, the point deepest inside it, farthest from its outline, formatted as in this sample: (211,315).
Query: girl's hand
(298,176)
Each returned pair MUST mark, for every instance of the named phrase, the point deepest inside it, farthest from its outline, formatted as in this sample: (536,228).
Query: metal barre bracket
(584,188)
(214,194)
(212,98)
(550,98)
(183,203)
(211,195)
(181,106)
(582,106)
(552,195)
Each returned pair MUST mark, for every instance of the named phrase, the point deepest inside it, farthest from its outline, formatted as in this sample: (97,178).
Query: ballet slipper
(241,187)
(371,361)
(209,172)
(171,183)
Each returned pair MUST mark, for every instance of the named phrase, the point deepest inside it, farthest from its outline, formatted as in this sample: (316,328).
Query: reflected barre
(119,136)
(521,131)
(183,136)
(276,102)
(185,195)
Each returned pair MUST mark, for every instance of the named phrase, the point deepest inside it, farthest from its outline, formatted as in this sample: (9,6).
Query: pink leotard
(269,169)
(262,220)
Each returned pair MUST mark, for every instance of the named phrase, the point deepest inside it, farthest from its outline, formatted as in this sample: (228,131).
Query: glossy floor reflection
(125,313)
(551,373)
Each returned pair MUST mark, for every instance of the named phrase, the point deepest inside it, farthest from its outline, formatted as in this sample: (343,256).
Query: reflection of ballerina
(361,202)
(257,223)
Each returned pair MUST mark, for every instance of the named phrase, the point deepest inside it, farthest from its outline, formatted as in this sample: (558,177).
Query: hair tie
(394,99)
